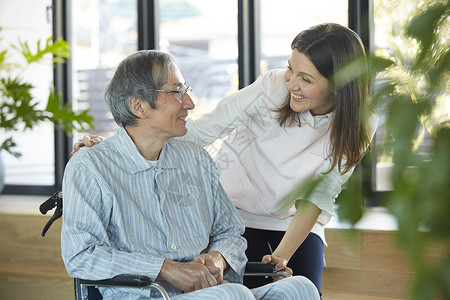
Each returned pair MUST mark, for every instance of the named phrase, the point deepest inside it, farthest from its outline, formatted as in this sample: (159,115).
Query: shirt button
(173,246)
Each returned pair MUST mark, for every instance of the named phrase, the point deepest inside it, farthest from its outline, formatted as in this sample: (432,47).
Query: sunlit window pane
(103,33)
(390,19)
(202,35)
(282,20)
(36,165)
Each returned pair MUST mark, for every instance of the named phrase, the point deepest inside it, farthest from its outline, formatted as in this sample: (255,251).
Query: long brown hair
(330,47)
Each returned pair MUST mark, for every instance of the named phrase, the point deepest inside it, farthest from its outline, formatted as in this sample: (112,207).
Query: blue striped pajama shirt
(124,214)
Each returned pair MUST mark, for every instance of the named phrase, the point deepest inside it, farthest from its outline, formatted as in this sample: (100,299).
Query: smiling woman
(309,89)
(286,127)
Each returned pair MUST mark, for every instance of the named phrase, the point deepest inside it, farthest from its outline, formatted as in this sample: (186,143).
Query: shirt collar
(135,161)
(314,121)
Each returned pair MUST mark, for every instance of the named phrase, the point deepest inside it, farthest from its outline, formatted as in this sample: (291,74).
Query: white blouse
(260,162)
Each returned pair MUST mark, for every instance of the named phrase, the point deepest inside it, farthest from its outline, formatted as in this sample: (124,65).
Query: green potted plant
(417,99)
(414,93)
(19,110)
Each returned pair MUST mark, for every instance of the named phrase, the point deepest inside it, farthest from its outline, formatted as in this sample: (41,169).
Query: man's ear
(136,106)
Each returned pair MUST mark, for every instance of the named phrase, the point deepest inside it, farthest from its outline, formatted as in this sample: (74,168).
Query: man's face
(168,119)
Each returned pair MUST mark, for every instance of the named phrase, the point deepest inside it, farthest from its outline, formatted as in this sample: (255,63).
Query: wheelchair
(88,289)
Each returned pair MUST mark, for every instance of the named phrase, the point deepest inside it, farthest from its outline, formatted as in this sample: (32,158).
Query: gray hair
(138,75)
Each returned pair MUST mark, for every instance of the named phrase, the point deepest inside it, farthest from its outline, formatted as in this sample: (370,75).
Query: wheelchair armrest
(120,280)
(127,280)
(262,269)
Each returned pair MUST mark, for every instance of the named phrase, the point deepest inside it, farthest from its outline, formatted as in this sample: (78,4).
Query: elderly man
(143,203)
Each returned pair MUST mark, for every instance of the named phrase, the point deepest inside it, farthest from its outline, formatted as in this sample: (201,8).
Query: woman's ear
(136,106)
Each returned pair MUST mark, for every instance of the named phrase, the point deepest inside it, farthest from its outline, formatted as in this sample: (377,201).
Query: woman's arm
(238,108)
(303,221)
(230,112)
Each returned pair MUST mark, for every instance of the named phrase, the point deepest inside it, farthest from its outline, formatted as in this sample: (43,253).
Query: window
(202,35)
(205,36)
(390,19)
(36,165)
(282,20)
(103,33)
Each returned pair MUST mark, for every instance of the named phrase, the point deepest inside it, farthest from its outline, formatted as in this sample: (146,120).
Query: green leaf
(60,49)
(378,63)
(349,71)
(64,116)
(300,192)
(350,201)
(8,145)
(2,58)
(19,110)
(446,274)
(423,287)
(18,106)
(423,27)
(434,187)
(441,67)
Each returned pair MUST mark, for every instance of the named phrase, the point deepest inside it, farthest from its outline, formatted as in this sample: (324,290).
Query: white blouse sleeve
(231,111)
(330,186)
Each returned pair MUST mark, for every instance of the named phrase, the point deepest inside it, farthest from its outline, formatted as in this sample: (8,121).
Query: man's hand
(88,141)
(215,262)
(188,276)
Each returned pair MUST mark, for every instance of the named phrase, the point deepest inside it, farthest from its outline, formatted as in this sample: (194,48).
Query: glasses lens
(183,91)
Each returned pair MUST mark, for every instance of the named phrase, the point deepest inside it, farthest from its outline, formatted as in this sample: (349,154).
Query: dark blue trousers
(306,261)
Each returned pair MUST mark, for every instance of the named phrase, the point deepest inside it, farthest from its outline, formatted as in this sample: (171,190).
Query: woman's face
(308,88)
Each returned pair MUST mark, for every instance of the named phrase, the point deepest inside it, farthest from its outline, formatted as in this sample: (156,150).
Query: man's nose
(187,102)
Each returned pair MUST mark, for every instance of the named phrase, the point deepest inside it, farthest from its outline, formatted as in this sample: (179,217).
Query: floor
(344,296)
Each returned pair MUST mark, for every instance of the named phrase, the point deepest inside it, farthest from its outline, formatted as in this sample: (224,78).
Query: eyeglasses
(178,93)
